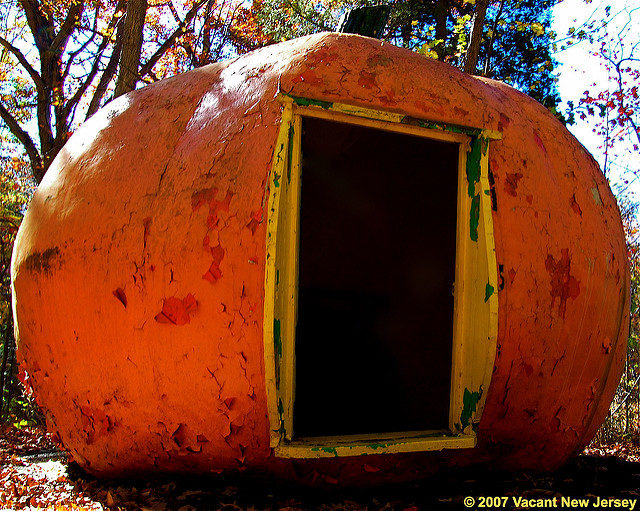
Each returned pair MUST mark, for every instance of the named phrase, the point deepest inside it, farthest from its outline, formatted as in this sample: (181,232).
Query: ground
(35,475)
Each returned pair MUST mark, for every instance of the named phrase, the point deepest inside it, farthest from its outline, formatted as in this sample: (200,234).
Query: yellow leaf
(537,28)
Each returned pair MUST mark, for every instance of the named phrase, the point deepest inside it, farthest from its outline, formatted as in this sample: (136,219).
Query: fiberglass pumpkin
(330,258)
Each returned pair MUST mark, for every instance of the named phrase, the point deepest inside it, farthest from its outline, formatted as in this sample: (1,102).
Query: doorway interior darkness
(377,258)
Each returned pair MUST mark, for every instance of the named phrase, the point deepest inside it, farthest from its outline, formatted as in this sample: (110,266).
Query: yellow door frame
(475,289)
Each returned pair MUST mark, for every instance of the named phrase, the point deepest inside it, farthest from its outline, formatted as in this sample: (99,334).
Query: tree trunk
(3,371)
(471,62)
(131,47)
(442,8)
(487,59)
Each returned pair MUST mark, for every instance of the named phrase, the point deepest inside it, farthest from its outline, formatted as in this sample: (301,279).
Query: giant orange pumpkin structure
(330,259)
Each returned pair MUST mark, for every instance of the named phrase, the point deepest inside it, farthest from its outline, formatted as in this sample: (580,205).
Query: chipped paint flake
(277,341)
(575,206)
(290,151)
(214,272)
(563,284)
(473,166)
(469,405)
(177,311)
(367,80)
(489,289)
(330,450)
(121,296)
(312,102)
(474,218)
(511,183)
(256,220)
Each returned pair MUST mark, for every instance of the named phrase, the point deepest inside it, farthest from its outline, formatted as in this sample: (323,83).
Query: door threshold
(380,443)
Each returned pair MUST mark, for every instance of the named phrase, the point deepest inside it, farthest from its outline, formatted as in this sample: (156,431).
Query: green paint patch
(474,218)
(277,277)
(330,450)
(277,341)
(473,165)
(596,196)
(312,102)
(451,128)
(469,405)
(290,152)
(276,179)
(377,446)
(414,121)
(488,291)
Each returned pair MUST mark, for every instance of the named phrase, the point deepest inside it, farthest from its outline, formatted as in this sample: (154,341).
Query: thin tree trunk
(7,337)
(471,62)
(494,27)
(107,75)
(627,378)
(206,35)
(131,47)
(3,370)
(442,8)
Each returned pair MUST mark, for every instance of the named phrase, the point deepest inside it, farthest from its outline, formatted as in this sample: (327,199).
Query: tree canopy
(508,40)
(60,60)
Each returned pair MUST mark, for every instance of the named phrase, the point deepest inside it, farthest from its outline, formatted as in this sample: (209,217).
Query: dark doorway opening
(375,300)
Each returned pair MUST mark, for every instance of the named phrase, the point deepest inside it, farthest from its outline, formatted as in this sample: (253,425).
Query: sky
(578,70)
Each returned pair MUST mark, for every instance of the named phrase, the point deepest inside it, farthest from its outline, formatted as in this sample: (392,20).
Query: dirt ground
(35,475)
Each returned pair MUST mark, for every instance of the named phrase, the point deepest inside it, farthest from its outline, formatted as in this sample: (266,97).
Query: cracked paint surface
(563,284)
(177,311)
(156,209)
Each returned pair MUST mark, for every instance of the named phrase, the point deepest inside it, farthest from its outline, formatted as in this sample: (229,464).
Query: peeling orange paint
(511,183)
(217,254)
(367,80)
(120,295)
(176,311)
(575,206)
(308,77)
(129,392)
(95,423)
(563,284)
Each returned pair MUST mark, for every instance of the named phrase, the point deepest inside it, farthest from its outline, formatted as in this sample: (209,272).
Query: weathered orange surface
(139,268)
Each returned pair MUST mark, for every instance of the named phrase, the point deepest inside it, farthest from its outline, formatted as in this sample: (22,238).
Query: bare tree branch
(41,29)
(23,61)
(148,66)
(75,99)
(174,12)
(59,43)
(494,28)
(24,138)
(107,76)
(74,54)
